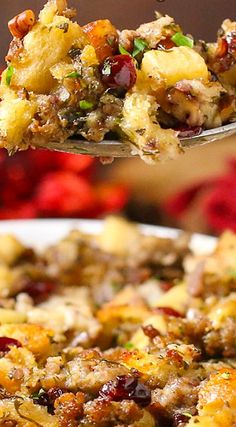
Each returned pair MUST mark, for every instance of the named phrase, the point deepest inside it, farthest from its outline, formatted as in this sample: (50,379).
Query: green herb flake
(225,375)
(111,40)
(231,272)
(123,51)
(73,75)
(139,47)
(85,105)
(181,40)
(9,74)
(129,346)
(116,286)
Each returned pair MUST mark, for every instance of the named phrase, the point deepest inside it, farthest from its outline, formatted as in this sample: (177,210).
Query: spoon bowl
(112,148)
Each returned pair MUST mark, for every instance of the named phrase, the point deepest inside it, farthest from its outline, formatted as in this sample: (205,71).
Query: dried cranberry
(47,398)
(188,132)
(231,42)
(175,357)
(168,311)
(150,331)
(6,344)
(125,387)
(39,291)
(119,72)
(180,420)
(226,52)
(222,48)
(165,286)
(166,44)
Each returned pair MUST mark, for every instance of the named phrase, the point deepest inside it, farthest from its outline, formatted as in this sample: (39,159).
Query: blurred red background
(44,184)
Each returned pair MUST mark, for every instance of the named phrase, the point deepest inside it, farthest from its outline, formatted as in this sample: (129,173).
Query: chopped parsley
(231,272)
(9,74)
(129,346)
(85,105)
(181,40)
(116,286)
(73,75)
(123,51)
(139,47)
(226,375)
(111,40)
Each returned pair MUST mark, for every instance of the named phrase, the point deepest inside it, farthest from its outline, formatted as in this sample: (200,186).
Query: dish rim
(41,233)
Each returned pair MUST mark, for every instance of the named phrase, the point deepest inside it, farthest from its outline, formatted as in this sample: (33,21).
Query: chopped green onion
(139,47)
(116,286)
(226,375)
(181,40)
(111,40)
(73,75)
(9,74)
(123,51)
(129,346)
(85,105)
(231,272)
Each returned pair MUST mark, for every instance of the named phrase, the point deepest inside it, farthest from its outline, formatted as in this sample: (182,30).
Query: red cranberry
(231,42)
(175,357)
(226,52)
(150,331)
(6,344)
(188,131)
(39,291)
(168,311)
(165,286)
(125,387)
(222,48)
(166,44)
(119,72)
(47,398)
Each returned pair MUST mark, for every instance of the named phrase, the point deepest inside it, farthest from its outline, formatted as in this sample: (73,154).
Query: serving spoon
(112,148)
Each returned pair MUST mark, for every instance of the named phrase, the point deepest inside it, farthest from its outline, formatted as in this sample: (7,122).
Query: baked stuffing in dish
(117,329)
(146,86)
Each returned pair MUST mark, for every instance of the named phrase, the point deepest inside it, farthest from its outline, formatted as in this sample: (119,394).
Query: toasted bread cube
(33,337)
(118,236)
(45,45)
(11,316)
(176,298)
(139,124)
(174,65)
(18,360)
(21,410)
(10,249)
(15,116)
(217,401)
(140,340)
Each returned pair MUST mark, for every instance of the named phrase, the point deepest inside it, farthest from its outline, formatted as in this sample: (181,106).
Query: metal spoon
(124,149)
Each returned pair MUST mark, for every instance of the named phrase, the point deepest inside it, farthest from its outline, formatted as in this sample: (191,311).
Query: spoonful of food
(153,91)
(114,148)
